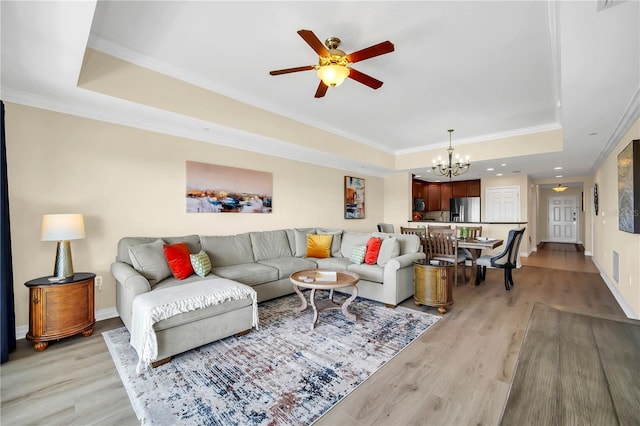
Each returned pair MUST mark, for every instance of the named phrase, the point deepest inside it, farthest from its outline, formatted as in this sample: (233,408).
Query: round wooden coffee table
(324,279)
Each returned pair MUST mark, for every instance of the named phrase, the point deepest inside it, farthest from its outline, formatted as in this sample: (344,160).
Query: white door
(563,219)
(502,204)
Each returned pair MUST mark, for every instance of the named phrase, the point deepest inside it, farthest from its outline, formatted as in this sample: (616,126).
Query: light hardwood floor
(457,373)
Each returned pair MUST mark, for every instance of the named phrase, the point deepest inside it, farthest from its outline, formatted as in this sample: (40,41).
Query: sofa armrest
(404,260)
(129,284)
(129,278)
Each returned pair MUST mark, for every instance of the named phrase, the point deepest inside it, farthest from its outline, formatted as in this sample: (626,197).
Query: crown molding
(630,116)
(484,138)
(118,51)
(154,120)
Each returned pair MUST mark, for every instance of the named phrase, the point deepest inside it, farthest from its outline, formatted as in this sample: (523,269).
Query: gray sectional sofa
(264,261)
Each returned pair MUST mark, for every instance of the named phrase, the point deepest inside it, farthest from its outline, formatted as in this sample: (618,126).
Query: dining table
(475,246)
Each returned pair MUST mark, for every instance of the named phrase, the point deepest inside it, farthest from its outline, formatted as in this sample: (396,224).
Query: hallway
(564,256)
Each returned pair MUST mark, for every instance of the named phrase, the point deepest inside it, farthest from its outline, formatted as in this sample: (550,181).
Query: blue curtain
(7,312)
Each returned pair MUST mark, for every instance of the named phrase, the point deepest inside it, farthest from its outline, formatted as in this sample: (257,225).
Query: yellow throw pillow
(319,245)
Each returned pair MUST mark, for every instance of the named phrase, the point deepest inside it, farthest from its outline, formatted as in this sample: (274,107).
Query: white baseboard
(102,314)
(616,294)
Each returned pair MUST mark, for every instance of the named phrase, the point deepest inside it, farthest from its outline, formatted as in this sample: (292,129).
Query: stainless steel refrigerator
(465,209)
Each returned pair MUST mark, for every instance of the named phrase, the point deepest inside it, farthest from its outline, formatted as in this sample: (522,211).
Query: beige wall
(521,181)
(398,200)
(130,182)
(607,238)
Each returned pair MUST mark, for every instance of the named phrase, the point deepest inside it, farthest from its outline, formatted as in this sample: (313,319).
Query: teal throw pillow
(357,254)
(201,263)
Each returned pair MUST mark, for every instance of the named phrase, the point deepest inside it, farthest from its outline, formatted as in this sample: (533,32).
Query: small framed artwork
(629,188)
(353,197)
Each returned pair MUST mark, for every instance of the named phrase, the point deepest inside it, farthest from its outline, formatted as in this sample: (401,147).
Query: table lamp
(62,228)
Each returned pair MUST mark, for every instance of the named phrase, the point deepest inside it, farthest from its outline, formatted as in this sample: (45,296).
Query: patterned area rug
(282,374)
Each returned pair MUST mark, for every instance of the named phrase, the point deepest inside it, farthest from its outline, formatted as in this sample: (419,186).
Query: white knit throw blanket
(154,306)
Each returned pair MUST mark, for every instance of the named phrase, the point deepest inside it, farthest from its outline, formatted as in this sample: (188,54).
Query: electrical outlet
(99,282)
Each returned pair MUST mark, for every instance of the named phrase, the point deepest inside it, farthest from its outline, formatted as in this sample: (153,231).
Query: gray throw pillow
(389,249)
(336,242)
(301,241)
(149,260)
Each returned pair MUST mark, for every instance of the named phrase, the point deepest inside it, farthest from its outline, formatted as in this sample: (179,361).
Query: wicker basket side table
(433,285)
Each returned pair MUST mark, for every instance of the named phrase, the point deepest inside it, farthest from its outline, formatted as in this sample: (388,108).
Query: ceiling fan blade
(314,42)
(288,70)
(322,90)
(371,51)
(364,79)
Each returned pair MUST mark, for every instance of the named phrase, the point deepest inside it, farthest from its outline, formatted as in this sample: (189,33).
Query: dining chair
(474,231)
(420,232)
(438,227)
(386,227)
(506,260)
(443,246)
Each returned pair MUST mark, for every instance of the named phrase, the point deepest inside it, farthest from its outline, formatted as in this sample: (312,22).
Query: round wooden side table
(433,285)
(60,308)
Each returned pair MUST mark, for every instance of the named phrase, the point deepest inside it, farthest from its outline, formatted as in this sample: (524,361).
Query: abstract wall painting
(629,188)
(213,188)
(353,198)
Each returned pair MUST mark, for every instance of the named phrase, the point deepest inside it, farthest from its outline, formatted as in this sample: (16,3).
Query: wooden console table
(60,309)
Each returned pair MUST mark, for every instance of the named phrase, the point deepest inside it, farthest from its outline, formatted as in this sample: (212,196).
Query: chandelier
(459,167)
(559,188)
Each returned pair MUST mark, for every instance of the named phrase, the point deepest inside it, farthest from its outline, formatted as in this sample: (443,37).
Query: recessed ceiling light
(499,174)
(490,169)
(559,176)
(503,164)
(418,176)
(557,168)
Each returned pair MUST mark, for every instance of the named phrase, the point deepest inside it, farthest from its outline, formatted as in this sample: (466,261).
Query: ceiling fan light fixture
(559,188)
(333,75)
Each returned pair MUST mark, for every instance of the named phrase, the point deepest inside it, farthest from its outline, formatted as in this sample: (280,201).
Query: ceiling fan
(334,64)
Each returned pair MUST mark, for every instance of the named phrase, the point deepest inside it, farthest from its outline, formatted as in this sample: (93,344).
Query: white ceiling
(484,68)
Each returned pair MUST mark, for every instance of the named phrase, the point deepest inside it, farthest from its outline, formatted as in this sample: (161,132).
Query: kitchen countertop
(467,223)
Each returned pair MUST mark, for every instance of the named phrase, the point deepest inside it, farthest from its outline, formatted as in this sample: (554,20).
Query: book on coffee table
(326,276)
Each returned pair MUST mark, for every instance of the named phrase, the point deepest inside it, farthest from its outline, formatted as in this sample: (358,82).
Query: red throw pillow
(373,248)
(178,259)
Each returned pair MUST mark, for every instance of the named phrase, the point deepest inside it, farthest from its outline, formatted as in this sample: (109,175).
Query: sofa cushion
(200,263)
(373,273)
(409,243)
(338,263)
(336,242)
(373,249)
(149,260)
(352,239)
(177,256)
(192,241)
(389,249)
(300,235)
(288,265)
(319,245)
(270,245)
(122,255)
(248,273)
(228,250)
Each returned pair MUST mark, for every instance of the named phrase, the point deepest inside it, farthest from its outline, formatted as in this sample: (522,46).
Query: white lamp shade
(333,75)
(62,227)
